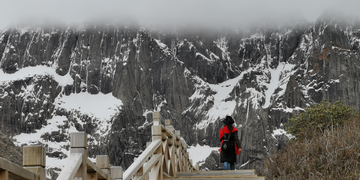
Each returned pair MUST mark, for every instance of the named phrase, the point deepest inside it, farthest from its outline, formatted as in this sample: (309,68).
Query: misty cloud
(212,13)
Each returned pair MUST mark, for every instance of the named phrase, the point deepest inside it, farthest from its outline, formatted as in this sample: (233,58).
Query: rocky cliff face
(9,151)
(261,77)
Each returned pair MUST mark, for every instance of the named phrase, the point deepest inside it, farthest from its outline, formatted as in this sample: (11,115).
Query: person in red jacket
(229,133)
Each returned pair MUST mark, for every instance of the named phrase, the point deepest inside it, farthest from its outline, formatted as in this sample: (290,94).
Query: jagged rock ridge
(260,77)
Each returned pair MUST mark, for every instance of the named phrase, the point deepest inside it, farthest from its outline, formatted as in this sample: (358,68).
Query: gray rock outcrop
(152,70)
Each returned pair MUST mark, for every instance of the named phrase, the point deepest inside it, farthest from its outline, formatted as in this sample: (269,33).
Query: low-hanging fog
(165,13)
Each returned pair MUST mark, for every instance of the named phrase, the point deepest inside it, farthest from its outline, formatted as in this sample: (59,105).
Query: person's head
(228,120)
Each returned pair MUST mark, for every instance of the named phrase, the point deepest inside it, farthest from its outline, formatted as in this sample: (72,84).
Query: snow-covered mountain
(107,80)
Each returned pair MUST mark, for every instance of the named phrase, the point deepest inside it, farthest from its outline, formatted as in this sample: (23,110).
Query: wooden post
(167,122)
(156,118)
(4,175)
(91,176)
(116,172)
(179,157)
(184,154)
(103,162)
(156,127)
(34,160)
(169,126)
(177,132)
(78,144)
(187,161)
(171,148)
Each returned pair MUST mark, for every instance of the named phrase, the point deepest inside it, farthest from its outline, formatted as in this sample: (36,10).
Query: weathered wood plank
(138,163)
(92,176)
(167,132)
(40,171)
(156,171)
(91,167)
(222,176)
(116,172)
(4,175)
(148,165)
(156,116)
(103,161)
(34,156)
(215,178)
(71,167)
(78,140)
(15,171)
(218,173)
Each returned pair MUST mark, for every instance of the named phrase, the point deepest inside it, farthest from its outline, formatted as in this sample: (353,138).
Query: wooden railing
(166,155)
(79,166)
(33,165)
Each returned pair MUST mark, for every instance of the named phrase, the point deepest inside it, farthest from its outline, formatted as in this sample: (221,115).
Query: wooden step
(218,173)
(223,176)
(248,174)
(217,178)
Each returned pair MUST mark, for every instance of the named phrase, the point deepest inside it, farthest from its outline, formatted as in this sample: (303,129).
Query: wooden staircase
(166,157)
(218,175)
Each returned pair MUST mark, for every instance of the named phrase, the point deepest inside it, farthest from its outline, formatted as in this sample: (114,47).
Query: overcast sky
(163,12)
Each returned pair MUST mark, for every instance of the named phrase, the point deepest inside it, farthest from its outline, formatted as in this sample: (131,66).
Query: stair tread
(245,174)
(217,178)
(219,173)
(222,176)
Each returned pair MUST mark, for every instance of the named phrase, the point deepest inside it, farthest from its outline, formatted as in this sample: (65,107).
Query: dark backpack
(227,145)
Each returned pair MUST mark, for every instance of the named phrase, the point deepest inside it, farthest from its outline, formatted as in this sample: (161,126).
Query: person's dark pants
(229,166)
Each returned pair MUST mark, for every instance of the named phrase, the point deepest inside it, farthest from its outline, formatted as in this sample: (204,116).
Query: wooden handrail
(33,165)
(154,159)
(71,167)
(14,171)
(166,155)
(79,166)
(92,168)
(139,162)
